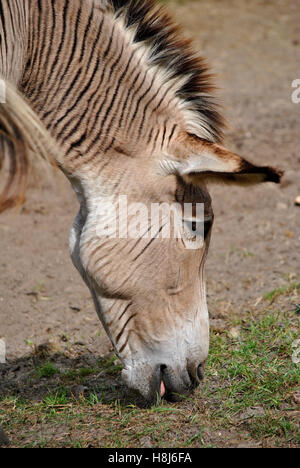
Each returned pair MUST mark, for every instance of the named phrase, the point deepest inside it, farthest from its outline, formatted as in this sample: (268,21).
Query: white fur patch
(207,162)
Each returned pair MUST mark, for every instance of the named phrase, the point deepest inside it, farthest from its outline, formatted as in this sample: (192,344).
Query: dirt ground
(254,49)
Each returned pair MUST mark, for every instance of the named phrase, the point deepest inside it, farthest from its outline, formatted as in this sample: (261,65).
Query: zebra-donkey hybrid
(113,92)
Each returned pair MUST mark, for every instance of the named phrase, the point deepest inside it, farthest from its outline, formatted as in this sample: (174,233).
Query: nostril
(200,372)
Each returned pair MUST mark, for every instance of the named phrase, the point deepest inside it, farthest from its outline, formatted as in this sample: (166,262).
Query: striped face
(149,291)
(116,93)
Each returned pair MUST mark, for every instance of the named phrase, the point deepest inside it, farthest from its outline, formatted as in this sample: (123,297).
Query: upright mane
(173,54)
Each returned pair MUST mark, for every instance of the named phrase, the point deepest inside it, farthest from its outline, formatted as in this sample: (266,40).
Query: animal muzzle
(178,383)
(171,382)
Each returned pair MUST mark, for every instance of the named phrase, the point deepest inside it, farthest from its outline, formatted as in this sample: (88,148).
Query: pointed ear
(197,160)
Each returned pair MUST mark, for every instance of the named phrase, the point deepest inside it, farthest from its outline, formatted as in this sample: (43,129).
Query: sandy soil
(254,48)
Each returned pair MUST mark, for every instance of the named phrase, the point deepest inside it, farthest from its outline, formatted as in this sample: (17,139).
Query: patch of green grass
(247,395)
(288,289)
(198,436)
(257,367)
(59,398)
(163,409)
(86,371)
(92,399)
(47,370)
(40,443)
(272,426)
(255,371)
(80,374)
(111,366)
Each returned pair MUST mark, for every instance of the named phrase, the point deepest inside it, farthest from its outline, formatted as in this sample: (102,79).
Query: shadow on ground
(44,374)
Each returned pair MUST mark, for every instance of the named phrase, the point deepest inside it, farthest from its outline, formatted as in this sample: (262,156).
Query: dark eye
(201,227)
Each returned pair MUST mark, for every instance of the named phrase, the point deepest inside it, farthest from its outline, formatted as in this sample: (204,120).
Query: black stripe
(156,138)
(138,241)
(88,26)
(140,100)
(150,136)
(81,95)
(3,26)
(172,132)
(126,341)
(110,42)
(164,134)
(148,245)
(46,114)
(62,40)
(78,142)
(95,123)
(123,329)
(120,318)
(87,87)
(33,51)
(161,101)
(52,32)
(36,92)
(63,73)
(93,48)
(126,309)
(109,107)
(147,106)
(124,105)
(114,97)
(135,93)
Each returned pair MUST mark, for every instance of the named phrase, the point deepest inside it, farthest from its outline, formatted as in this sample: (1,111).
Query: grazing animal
(113,94)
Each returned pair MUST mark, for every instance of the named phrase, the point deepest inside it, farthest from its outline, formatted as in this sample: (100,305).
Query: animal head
(151,288)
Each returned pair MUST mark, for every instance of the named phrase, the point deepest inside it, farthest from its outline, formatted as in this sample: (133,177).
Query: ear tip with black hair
(274,175)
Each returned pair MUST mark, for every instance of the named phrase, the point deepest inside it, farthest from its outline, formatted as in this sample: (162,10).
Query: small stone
(297,201)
